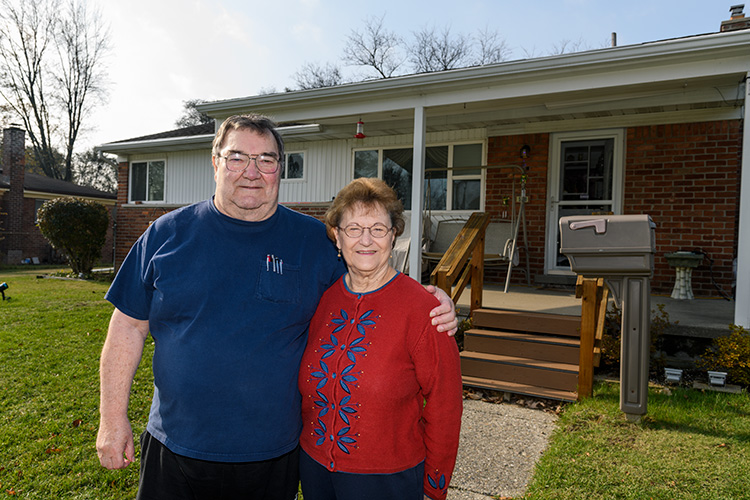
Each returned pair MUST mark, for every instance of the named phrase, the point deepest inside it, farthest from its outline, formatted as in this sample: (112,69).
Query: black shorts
(168,476)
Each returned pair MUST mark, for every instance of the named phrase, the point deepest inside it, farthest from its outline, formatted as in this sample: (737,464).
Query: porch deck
(696,318)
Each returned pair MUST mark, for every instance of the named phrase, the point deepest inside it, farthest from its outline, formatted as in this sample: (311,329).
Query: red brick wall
(507,151)
(686,177)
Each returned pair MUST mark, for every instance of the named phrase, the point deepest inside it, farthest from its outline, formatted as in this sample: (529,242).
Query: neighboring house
(21,195)
(654,128)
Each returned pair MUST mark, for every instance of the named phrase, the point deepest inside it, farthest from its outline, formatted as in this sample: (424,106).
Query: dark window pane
(397,172)
(466,194)
(586,170)
(156,181)
(436,182)
(365,164)
(467,155)
(138,181)
(295,166)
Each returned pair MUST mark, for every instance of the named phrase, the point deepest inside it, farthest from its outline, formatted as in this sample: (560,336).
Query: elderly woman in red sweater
(381,388)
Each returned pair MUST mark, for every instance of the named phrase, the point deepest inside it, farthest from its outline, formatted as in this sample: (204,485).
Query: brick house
(655,128)
(21,195)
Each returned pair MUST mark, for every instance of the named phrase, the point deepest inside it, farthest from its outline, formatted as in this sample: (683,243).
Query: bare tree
(567,46)
(28,34)
(51,73)
(97,170)
(490,47)
(191,116)
(82,44)
(374,47)
(433,51)
(313,76)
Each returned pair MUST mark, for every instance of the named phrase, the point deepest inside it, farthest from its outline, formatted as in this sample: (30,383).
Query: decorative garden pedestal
(683,262)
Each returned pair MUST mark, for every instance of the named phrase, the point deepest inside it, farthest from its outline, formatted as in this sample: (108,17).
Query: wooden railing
(594,295)
(463,262)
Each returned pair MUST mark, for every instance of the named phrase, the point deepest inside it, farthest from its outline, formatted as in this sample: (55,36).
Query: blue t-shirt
(228,304)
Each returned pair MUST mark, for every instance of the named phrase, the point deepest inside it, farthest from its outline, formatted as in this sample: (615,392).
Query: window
(294,166)
(446,188)
(147,181)
(37,205)
(467,179)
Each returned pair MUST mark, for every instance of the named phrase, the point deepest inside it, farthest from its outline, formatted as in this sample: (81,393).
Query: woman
(381,388)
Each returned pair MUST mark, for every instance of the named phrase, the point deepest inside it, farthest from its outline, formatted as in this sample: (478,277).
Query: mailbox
(613,245)
(620,249)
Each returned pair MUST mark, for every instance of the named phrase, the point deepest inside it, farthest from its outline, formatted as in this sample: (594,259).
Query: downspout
(742,291)
(417,195)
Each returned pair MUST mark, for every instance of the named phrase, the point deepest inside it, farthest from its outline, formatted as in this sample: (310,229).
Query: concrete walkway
(499,447)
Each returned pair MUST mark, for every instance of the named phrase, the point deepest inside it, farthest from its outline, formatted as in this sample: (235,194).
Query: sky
(164,52)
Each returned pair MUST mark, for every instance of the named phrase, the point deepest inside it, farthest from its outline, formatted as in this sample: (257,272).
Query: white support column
(417,185)
(742,300)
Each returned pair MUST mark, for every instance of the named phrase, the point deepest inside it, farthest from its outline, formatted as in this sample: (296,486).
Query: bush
(731,354)
(611,339)
(76,227)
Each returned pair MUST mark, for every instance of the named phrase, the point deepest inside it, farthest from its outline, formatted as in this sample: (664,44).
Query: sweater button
(331,436)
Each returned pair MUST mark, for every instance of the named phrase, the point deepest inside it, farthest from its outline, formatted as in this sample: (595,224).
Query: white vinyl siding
(327,167)
(189,176)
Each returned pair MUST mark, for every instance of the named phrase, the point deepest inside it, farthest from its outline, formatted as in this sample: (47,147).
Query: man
(226,287)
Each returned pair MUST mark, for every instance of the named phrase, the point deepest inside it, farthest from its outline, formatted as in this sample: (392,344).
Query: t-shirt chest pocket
(279,283)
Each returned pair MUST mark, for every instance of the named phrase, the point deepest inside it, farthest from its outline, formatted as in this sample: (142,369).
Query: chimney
(14,160)
(738,21)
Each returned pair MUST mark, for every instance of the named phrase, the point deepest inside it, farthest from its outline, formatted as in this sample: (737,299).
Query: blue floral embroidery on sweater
(439,484)
(347,379)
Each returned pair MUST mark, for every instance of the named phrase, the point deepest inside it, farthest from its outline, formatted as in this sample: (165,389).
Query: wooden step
(532,372)
(527,345)
(524,321)
(516,388)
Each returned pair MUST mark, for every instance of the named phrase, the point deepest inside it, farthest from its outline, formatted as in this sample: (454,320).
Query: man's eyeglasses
(238,162)
(376,230)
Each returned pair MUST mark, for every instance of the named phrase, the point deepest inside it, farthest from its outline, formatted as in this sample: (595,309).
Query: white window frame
(303,152)
(130,180)
(481,176)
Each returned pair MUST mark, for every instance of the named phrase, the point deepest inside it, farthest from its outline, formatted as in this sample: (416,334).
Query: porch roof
(678,80)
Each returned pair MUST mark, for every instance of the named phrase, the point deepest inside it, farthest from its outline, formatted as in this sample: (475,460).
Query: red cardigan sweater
(372,360)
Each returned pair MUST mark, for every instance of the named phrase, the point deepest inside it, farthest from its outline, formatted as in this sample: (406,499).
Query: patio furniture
(500,245)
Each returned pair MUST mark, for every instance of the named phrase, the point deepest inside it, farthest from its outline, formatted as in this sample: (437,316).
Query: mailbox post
(620,249)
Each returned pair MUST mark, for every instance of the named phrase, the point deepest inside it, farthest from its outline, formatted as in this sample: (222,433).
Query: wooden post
(477,274)
(588,331)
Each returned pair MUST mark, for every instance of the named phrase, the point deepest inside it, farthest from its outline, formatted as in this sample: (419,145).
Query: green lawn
(691,445)
(51,334)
